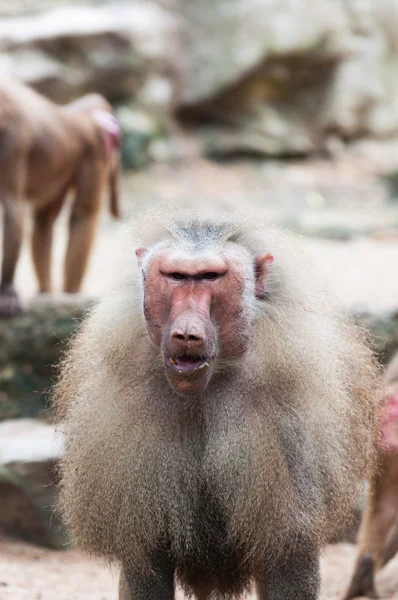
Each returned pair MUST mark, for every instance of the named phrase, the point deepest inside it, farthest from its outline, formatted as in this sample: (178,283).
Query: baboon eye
(209,276)
(178,276)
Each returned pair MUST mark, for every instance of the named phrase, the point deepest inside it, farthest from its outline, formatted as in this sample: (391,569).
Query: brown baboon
(378,534)
(219,415)
(45,151)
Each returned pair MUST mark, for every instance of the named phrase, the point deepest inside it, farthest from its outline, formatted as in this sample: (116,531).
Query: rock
(227,40)
(30,345)
(383,331)
(139,130)
(29,451)
(277,78)
(118,49)
(364,95)
(268,77)
(21,7)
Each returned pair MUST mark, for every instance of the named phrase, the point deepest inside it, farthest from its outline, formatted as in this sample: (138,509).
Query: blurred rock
(230,38)
(139,130)
(383,331)
(21,7)
(29,451)
(30,345)
(268,77)
(278,77)
(118,49)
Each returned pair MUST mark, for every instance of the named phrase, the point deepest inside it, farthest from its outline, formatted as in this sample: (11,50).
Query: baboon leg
(391,546)
(11,202)
(297,578)
(379,517)
(134,585)
(83,223)
(42,237)
(362,582)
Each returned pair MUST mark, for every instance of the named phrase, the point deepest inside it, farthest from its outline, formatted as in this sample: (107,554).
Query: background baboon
(378,535)
(45,151)
(220,415)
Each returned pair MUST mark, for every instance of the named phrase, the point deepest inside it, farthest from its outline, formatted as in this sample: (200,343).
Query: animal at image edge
(47,150)
(378,534)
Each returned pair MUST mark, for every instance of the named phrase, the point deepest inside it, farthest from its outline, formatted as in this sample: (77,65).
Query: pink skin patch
(389,424)
(110,125)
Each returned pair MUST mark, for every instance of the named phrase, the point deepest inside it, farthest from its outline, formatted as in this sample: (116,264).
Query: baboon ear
(140,254)
(262,270)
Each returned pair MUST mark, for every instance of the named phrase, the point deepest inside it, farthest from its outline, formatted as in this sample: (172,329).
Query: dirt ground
(31,573)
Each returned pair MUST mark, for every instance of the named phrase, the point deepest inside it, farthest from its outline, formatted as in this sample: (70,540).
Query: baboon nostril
(179,336)
(186,337)
(194,338)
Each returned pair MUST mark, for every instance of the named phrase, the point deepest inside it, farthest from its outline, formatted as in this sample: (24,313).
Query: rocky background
(285,105)
(266,77)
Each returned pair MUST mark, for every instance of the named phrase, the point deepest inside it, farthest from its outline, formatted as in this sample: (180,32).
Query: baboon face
(110,126)
(199,308)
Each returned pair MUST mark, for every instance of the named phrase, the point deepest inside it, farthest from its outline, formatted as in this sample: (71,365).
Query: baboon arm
(391,546)
(83,222)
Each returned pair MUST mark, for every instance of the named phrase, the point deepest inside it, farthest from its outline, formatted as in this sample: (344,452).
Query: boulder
(268,77)
(120,49)
(21,7)
(140,129)
(30,345)
(275,77)
(29,451)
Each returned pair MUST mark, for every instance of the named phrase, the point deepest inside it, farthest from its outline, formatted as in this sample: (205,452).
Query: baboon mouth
(185,363)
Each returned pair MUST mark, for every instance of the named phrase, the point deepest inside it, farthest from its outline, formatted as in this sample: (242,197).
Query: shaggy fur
(274,451)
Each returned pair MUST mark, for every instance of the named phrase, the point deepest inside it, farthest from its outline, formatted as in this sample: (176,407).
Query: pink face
(196,310)
(109,124)
(389,422)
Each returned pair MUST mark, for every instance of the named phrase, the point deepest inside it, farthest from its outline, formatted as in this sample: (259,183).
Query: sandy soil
(31,573)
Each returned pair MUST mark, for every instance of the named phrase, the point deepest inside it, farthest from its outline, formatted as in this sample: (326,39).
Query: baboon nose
(190,335)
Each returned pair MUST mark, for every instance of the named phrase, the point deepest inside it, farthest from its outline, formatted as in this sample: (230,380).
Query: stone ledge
(29,451)
(31,343)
